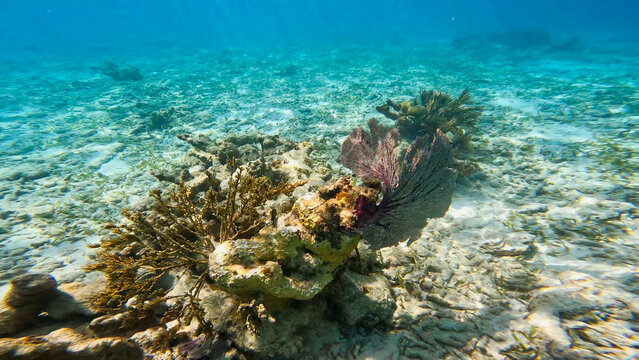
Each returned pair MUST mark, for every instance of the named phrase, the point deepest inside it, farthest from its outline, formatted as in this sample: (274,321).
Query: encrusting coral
(297,258)
(434,110)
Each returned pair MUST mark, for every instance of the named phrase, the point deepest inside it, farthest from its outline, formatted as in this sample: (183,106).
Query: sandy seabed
(556,192)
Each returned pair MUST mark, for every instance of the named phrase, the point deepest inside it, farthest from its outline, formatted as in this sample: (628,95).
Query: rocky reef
(232,249)
(248,243)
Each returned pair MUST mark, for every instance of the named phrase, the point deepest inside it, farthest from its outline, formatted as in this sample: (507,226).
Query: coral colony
(261,249)
(228,239)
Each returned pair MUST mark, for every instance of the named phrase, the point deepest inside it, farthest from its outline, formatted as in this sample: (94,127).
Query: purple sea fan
(373,154)
(421,189)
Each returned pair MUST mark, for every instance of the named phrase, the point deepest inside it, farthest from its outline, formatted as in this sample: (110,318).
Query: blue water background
(74,25)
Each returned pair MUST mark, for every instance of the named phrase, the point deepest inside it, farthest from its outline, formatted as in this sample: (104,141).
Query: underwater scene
(313,179)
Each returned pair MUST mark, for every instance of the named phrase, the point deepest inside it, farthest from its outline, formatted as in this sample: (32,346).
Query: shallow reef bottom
(535,257)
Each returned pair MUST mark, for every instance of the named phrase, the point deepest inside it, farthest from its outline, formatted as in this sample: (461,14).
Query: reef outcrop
(298,257)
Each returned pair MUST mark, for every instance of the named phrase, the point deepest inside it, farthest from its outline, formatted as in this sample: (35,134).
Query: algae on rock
(299,257)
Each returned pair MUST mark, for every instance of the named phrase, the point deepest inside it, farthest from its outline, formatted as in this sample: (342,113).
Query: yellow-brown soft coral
(177,237)
(434,110)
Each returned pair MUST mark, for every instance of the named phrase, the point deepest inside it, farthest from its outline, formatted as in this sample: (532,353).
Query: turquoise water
(554,193)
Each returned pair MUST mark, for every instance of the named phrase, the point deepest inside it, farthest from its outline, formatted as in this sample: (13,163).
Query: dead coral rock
(516,278)
(256,265)
(295,162)
(30,348)
(297,259)
(272,156)
(397,256)
(109,324)
(27,296)
(66,344)
(105,348)
(207,347)
(228,151)
(219,307)
(270,144)
(151,339)
(13,320)
(200,142)
(62,307)
(31,289)
(364,300)
(287,333)
(334,206)
(245,147)
(200,183)
(273,331)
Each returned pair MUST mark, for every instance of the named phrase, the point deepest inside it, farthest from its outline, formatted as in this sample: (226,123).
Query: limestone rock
(83,293)
(13,320)
(364,299)
(27,296)
(297,259)
(219,307)
(253,265)
(62,307)
(108,324)
(286,333)
(151,339)
(30,288)
(104,348)
(66,344)
(516,277)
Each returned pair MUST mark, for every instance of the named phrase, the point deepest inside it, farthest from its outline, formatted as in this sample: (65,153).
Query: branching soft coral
(418,189)
(179,235)
(434,110)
